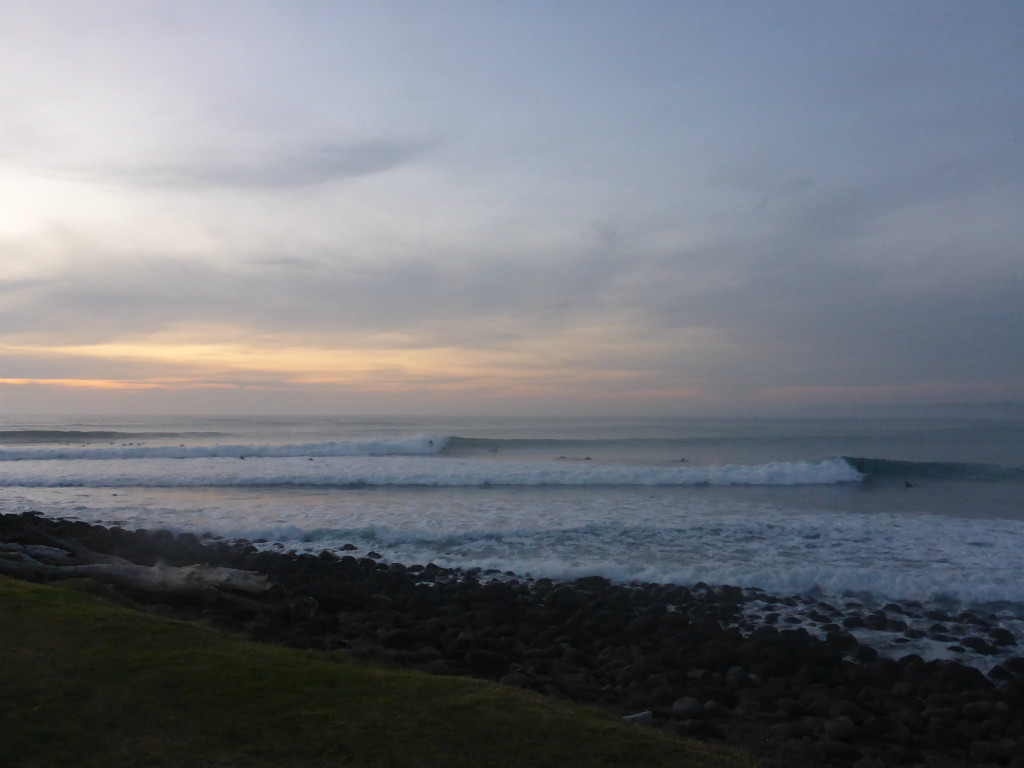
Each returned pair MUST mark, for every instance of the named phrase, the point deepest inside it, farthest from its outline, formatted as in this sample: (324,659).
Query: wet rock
(1001,636)
(979,645)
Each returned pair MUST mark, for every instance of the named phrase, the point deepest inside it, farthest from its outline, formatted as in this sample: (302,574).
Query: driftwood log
(53,558)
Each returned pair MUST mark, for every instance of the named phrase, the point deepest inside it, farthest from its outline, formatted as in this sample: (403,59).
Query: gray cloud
(17,286)
(793,310)
(876,283)
(477,302)
(795,197)
(270,167)
(317,164)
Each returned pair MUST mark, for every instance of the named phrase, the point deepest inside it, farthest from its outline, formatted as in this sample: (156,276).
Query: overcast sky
(444,207)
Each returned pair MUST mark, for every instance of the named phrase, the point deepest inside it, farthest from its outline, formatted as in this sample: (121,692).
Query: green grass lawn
(87,683)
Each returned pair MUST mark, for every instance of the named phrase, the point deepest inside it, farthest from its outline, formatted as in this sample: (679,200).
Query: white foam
(418,445)
(676,535)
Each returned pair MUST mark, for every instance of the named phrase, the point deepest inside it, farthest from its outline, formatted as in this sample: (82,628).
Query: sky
(659,207)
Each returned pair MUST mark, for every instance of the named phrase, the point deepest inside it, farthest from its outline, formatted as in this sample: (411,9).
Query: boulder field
(709,662)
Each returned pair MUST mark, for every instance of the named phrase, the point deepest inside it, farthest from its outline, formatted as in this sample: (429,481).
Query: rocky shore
(712,662)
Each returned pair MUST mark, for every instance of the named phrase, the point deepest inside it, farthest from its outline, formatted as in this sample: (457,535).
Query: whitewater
(916,509)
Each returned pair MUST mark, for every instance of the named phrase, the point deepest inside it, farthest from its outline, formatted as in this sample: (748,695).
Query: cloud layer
(476,208)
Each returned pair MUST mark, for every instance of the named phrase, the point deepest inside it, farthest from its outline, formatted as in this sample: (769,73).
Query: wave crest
(363,471)
(409,446)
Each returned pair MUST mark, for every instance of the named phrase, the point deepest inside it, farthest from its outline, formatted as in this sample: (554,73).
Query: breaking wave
(360,471)
(410,446)
(936,470)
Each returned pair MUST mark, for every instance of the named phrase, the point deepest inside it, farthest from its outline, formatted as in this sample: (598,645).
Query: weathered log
(74,548)
(158,578)
(45,556)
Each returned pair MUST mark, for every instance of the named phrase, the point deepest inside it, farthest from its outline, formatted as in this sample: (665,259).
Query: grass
(87,683)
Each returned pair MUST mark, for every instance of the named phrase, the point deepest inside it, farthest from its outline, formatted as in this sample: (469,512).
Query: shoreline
(685,658)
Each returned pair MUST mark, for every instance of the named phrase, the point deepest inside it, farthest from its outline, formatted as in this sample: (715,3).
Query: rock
(999,672)
(840,729)
(1002,637)
(865,654)
(947,714)
(809,726)
(815,703)
(969,618)
(714,708)
(1001,751)
(842,641)
(876,621)
(687,707)
(401,639)
(979,710)
(837,750)
(379,602)
(979,645)
(303,609)
(844,708)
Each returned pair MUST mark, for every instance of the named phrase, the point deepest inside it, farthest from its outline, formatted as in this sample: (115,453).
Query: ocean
(870,509)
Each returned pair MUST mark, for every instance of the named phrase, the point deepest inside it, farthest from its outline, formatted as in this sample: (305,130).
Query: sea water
(878,509)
